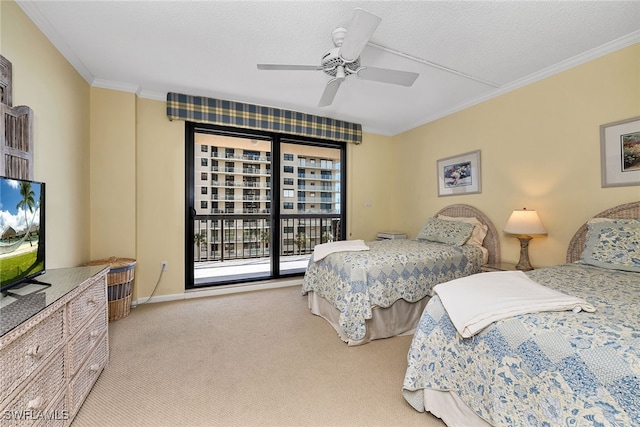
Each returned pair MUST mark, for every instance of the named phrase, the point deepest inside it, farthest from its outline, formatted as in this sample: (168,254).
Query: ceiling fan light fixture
(340,74)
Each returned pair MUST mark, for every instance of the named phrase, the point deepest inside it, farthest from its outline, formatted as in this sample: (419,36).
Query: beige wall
(369,180)
(113,174)
(122,193)
(59,97)
(137,182)
(160,198)
(540,149)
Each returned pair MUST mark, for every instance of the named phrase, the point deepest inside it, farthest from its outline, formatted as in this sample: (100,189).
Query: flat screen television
(22,231)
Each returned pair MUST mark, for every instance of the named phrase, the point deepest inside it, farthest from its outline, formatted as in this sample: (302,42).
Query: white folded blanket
(476,301)
(322,250)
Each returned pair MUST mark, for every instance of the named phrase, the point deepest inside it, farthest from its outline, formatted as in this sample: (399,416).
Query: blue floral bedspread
(544,369)
(390,270)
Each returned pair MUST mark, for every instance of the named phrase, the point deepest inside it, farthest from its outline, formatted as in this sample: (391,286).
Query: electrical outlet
(165,265)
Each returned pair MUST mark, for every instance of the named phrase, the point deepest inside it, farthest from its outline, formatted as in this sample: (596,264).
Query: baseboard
(220,290)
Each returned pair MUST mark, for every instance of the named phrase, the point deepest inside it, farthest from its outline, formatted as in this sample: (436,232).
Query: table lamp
(524,224)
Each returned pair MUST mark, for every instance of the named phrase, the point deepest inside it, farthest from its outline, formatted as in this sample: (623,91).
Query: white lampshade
(524,222)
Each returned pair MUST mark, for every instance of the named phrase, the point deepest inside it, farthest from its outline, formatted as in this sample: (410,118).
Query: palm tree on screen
(28,202)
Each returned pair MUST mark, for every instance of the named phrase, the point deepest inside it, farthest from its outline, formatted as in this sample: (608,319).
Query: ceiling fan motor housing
(332,60)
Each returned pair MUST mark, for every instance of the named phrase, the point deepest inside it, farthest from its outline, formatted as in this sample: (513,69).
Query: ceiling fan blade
(385,75)
(289,67)
(362,27)
(330,92)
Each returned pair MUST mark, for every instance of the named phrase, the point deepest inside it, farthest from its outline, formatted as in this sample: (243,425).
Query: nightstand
(500,266)
(390,235)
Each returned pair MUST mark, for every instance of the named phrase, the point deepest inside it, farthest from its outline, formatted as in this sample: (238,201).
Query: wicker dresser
(53,345)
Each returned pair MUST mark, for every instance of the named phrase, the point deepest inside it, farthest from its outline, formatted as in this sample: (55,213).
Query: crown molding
(31,9)
(120,86)
(605,49)
(126,87)
(151,94)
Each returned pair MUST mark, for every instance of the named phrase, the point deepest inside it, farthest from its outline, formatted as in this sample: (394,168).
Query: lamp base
(523,263)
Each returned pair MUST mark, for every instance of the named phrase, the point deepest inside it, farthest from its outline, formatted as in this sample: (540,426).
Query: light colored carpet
(252,359)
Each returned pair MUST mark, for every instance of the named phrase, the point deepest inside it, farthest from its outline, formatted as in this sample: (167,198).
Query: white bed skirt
(400,319)
(449,408)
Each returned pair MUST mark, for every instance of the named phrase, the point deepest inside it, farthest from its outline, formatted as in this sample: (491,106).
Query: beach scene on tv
(21,254)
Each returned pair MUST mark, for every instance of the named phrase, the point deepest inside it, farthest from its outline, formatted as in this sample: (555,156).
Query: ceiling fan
(344,59)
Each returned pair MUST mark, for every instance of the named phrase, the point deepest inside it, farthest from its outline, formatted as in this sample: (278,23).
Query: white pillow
(479,229)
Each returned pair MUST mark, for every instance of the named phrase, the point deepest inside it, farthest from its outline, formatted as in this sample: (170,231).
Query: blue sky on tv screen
(10,215)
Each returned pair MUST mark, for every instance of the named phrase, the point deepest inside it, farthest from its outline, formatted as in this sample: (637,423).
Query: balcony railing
(241,198)
(317,188)
(317,177)
(251,158)
(304,163)
(241,184)
(231,237)
(303,199)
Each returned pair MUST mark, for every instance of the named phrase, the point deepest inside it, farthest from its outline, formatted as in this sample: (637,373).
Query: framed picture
(620,153)
(459,174)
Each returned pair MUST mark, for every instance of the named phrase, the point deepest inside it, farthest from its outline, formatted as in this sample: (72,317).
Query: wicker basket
(119,284)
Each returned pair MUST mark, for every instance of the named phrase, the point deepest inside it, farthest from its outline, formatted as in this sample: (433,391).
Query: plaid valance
(228,113)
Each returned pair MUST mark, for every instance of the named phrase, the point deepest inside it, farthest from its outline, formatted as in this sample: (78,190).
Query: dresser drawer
(25,354)
(33,403)
(56,415)
(82,382)
(86,304)
(82,344)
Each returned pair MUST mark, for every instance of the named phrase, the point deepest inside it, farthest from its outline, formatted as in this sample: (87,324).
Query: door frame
(277,139)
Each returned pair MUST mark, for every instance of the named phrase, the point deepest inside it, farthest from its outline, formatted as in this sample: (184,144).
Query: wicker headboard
(491,241)
(625,211)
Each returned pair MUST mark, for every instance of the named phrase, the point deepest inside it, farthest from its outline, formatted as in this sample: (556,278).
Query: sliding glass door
(310,207)
(257,203)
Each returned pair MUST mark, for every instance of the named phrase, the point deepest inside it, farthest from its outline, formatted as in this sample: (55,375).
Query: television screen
(22,246)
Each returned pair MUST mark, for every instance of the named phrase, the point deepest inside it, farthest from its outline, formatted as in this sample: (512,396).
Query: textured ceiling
(464,51)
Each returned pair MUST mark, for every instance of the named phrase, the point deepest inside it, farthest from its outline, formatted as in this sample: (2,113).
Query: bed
(381,292)
(550,367)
